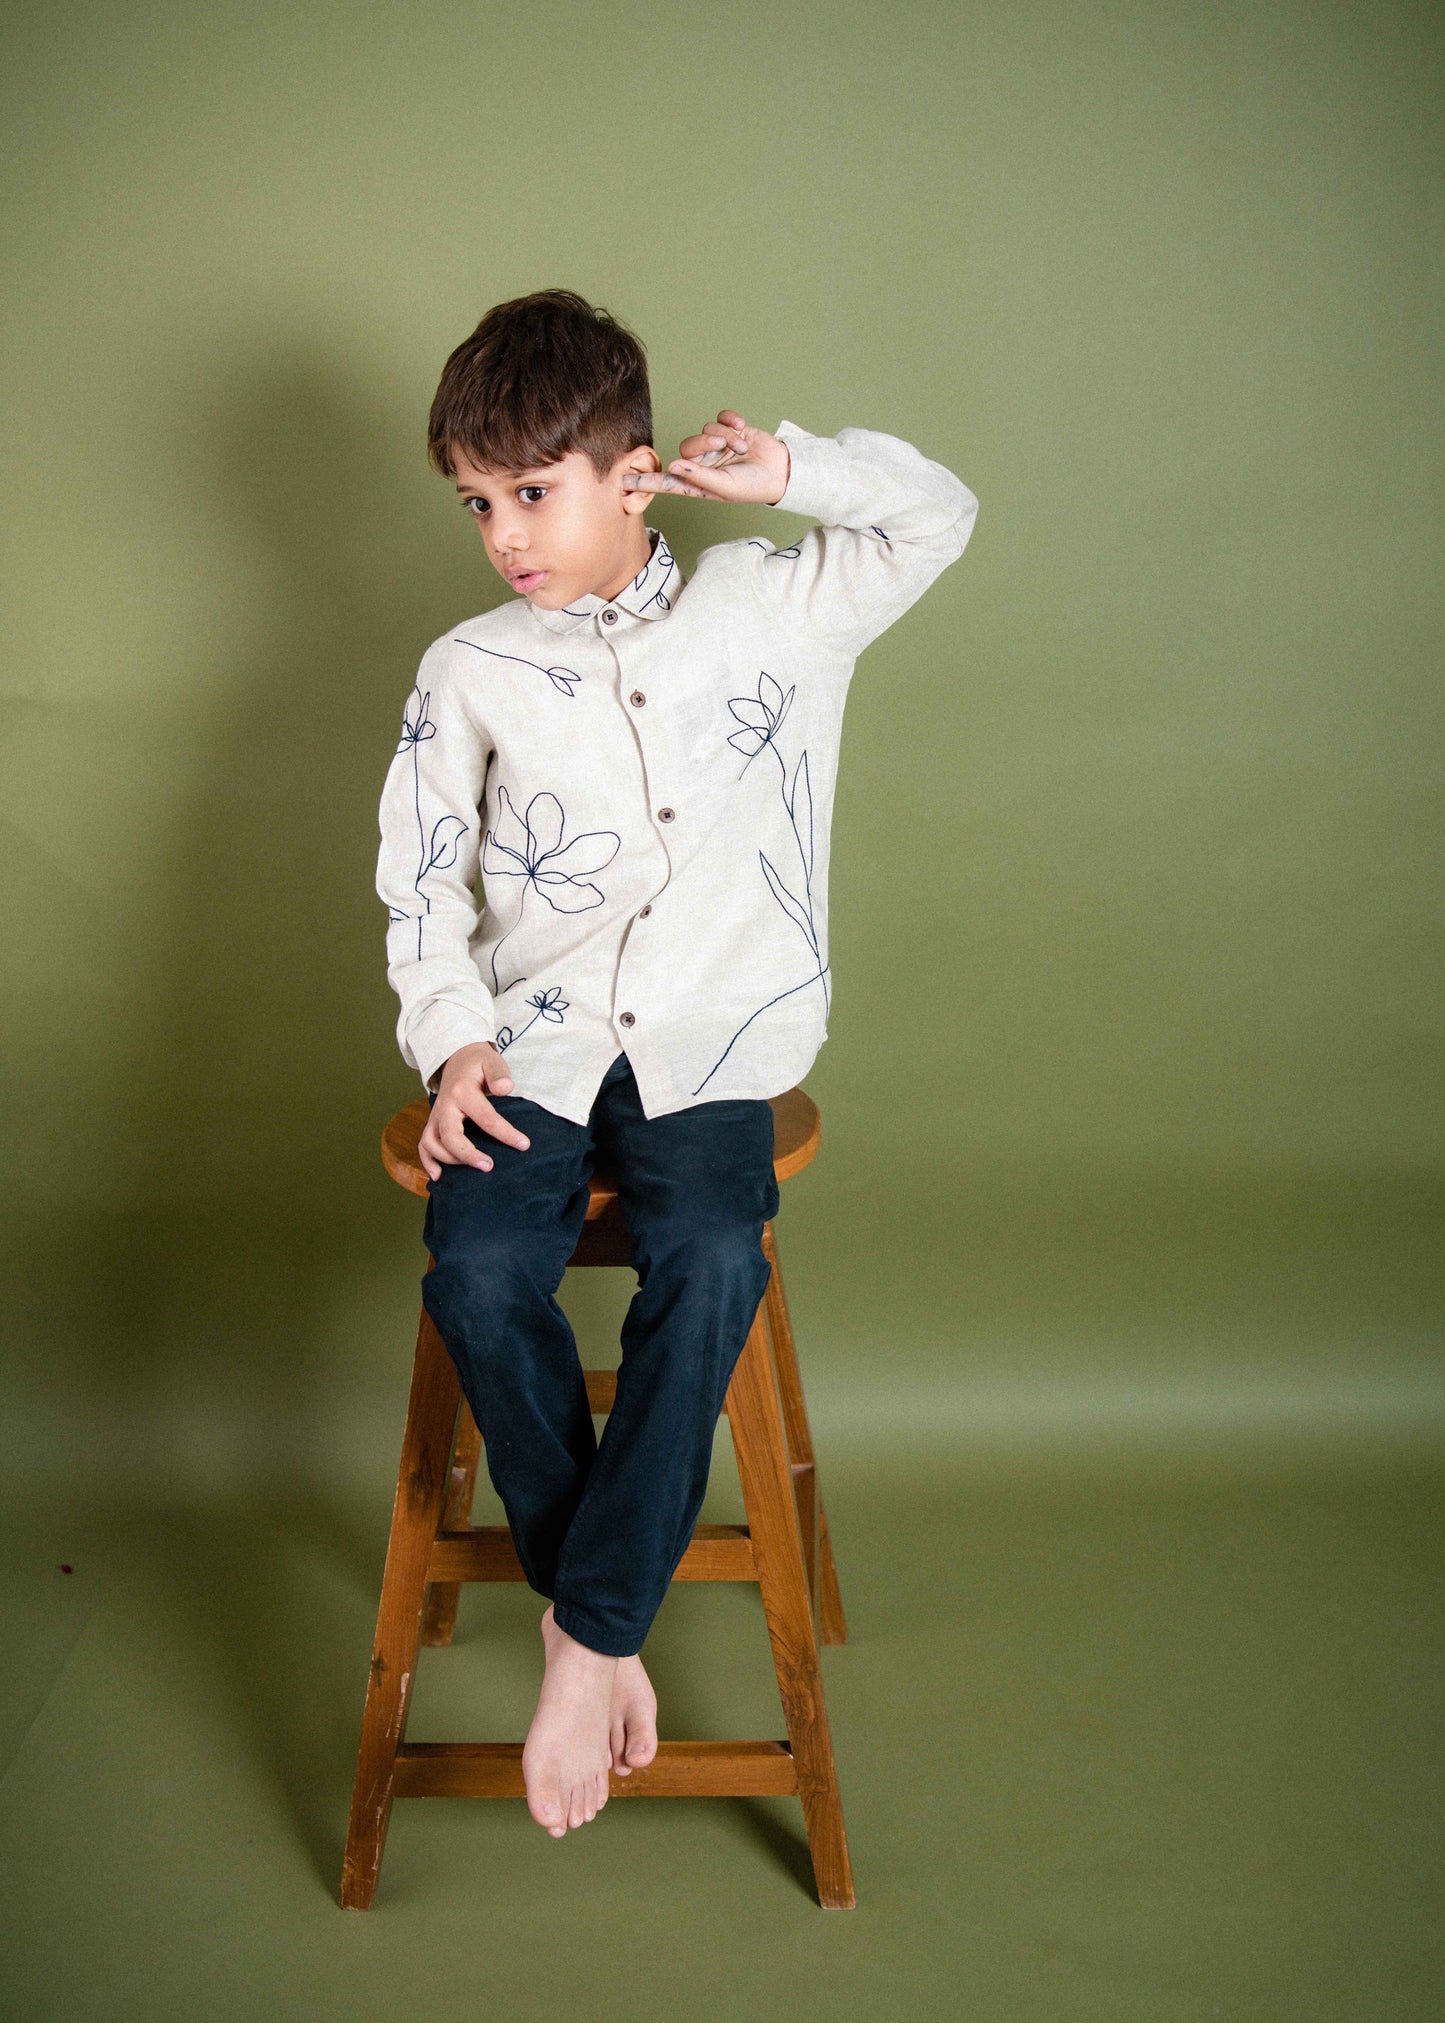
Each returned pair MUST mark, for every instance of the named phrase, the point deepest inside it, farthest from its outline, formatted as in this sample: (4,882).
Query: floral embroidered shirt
(644,787)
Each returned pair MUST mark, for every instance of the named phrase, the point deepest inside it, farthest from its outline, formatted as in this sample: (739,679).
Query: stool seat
(784,1548)
(797,1133)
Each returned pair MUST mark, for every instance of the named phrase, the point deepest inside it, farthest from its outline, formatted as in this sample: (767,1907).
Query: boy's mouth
(528,580)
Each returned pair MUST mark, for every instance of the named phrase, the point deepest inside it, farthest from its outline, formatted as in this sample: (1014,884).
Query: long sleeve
(891,522)
(427,871)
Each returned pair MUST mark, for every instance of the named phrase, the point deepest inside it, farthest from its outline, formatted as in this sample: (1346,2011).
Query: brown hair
(540,376)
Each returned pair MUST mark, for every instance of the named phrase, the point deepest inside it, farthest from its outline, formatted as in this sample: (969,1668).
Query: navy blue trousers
(599,1527)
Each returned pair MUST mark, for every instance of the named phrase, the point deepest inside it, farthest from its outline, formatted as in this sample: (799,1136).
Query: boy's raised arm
(426,873)
(891,521)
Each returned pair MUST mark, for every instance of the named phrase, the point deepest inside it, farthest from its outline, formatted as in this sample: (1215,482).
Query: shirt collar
(651,594)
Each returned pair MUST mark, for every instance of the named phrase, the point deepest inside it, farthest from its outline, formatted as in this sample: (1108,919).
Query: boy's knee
(485,1283)
(713,1254)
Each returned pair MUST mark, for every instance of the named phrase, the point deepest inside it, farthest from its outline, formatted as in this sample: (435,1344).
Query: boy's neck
(642,548)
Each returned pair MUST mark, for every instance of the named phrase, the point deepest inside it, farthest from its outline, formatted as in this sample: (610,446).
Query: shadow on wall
(246,1100)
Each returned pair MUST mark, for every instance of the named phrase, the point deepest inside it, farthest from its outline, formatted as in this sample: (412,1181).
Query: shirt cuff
(812,487)
(438,1033)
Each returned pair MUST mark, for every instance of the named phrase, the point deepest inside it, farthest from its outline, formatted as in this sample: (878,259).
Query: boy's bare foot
(567,1754)
(634,1718)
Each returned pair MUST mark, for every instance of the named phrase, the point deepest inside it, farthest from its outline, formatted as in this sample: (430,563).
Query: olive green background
(1117,1281)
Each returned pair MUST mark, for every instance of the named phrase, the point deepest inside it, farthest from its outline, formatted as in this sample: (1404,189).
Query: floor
(1123,1733)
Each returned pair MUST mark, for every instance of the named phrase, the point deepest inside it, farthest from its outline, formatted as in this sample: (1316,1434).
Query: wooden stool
(784,1547)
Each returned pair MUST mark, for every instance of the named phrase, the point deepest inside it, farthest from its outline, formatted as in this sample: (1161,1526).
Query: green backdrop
(1139,1166)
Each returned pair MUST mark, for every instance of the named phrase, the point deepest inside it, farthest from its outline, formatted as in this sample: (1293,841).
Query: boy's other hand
(746,466)
(469,1073)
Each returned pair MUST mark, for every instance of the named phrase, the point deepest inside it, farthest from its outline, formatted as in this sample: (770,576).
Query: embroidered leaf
(749,710)
(444,840)
(794,910)
(802,789)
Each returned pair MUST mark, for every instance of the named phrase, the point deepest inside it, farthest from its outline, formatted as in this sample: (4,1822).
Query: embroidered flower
(530,846)
(761,716)
(416,725)
(439,851)
(550,1005)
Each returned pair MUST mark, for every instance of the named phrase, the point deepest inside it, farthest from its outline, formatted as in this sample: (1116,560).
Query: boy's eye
(479,506)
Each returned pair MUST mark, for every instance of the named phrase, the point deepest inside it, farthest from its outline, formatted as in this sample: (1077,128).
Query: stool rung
(486,1552)
(679,1770)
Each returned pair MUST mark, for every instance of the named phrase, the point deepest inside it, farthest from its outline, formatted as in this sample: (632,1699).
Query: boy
(641,768)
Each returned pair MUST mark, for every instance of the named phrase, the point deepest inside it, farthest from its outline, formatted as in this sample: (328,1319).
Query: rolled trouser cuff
(597,1635)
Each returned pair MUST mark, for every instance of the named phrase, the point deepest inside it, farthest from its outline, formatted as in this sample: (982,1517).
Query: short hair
(540,376)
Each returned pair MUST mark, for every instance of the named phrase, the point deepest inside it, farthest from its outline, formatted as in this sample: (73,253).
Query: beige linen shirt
(644,786)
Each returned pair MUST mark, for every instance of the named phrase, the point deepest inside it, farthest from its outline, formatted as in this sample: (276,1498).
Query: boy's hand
(726,460)
(468,1073)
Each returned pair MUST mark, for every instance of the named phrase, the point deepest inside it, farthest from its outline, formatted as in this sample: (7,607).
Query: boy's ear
(643,458)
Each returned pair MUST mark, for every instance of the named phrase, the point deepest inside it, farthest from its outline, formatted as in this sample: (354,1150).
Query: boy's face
(559,531)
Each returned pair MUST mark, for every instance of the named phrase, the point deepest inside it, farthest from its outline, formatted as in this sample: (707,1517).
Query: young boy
(641,769)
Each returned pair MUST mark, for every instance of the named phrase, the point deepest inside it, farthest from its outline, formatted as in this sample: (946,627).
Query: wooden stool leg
(442,1597)
(822,1572)
(755,1415)
(431,1416)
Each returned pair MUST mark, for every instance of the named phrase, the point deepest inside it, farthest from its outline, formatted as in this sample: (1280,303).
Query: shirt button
(666,814)
(626,1019)
(645,911)
(637,698)
(609,618)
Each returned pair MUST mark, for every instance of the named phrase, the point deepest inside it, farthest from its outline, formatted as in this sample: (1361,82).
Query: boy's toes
(548,1812)
(619,1747)
(643,1745)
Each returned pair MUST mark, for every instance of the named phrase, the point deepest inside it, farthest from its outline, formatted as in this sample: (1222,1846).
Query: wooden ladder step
(486,1552)
(679,1770)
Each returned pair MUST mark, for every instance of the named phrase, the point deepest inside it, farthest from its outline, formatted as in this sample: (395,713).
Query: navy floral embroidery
(437,852)
(661,554)
(560,677)
(761,717)
(777,554)
(550,1005)
(530,846)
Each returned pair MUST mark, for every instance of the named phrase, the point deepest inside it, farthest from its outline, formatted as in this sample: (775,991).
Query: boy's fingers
(707,450)
(495,1124)
(662,481)
(457,1147)
(711,484)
